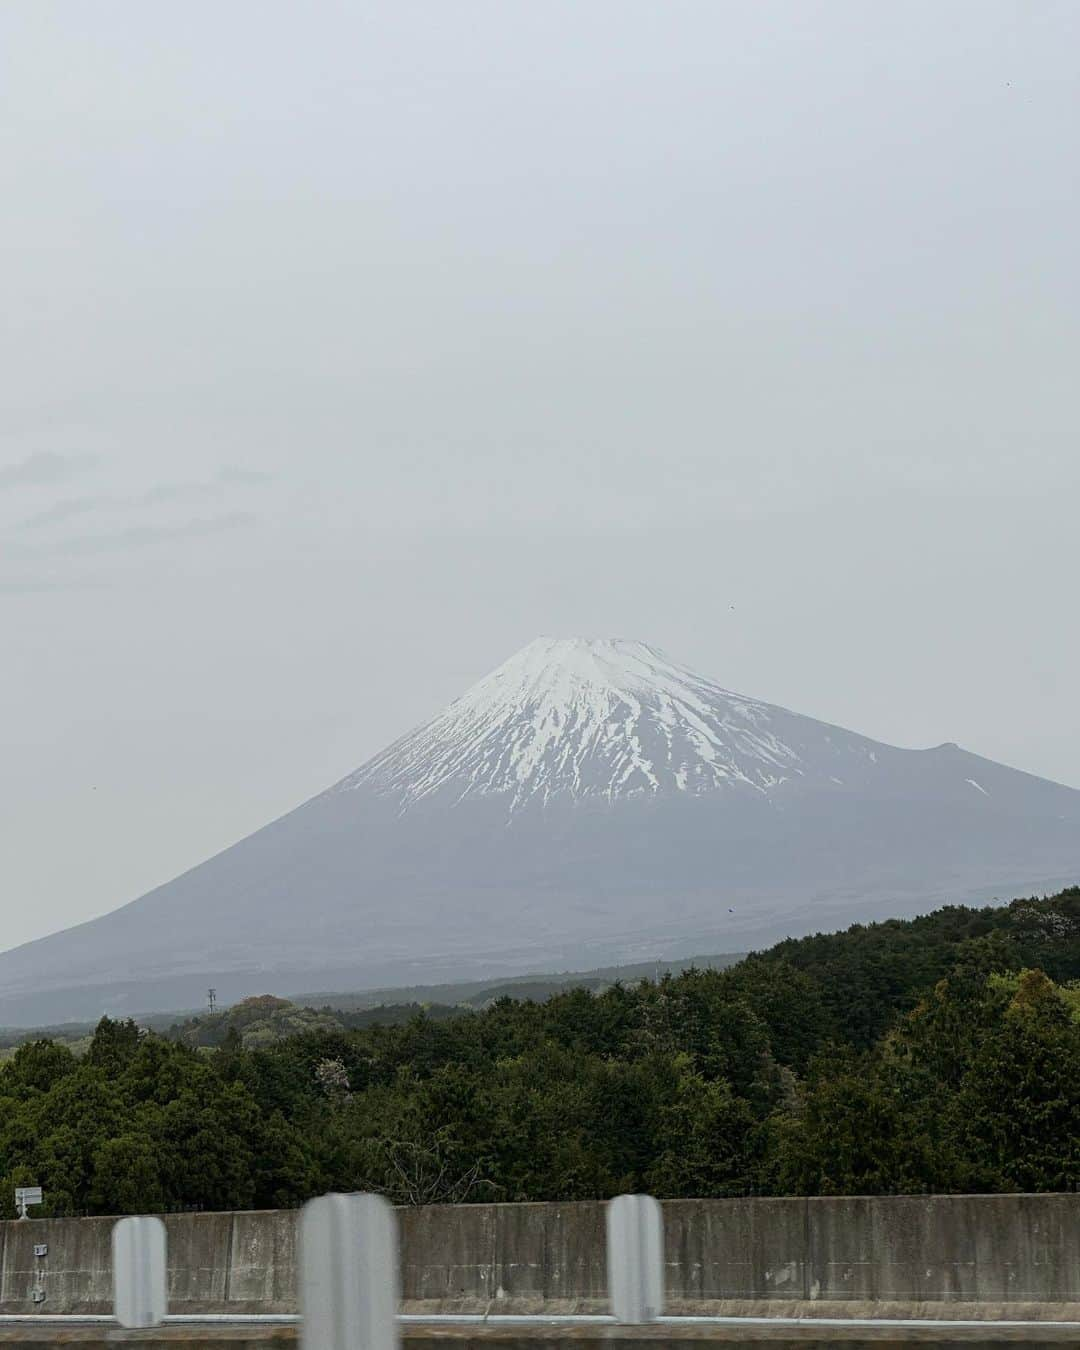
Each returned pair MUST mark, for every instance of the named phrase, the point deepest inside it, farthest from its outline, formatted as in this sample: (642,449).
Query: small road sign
(26,1196)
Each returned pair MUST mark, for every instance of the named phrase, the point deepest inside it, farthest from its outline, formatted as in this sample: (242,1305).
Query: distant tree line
(941,1053)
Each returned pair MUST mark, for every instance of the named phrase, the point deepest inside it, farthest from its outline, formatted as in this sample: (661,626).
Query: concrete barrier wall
(903,1249)
(732,1255)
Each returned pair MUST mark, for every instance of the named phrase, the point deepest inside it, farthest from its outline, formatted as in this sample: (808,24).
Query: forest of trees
(941,1054)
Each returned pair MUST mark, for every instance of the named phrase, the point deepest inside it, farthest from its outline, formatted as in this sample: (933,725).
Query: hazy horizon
(346,353)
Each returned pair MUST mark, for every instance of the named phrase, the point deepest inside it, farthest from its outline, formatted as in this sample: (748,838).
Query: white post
(140,1297)
(348,1274)
(635,1258)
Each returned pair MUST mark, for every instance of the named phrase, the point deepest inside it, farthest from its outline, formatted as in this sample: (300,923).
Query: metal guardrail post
(349,1284)
(635,1258)
(140,1294)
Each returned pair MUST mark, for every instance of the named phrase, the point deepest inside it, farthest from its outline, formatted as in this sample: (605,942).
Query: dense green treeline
(941,1053)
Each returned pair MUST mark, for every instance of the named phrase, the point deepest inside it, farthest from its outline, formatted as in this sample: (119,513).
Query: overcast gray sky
(347,347)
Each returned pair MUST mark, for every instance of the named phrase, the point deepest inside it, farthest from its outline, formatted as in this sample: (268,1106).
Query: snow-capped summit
(595,717)
(590,801)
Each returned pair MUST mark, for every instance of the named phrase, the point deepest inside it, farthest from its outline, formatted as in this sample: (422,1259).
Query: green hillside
(940,1053)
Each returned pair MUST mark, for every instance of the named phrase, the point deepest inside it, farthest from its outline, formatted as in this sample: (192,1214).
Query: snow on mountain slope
(590,801)
(606,718)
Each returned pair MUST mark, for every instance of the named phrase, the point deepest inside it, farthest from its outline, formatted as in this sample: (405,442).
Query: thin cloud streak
(179,492)
(243,477)
(43,467)
(66,510)
(160,494)
(141,536)
(227,477)
(14,589)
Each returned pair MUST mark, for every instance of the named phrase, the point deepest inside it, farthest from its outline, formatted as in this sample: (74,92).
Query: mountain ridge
(588,799)
(639,721)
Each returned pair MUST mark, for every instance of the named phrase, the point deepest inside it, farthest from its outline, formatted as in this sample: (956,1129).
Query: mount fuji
(588,802)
